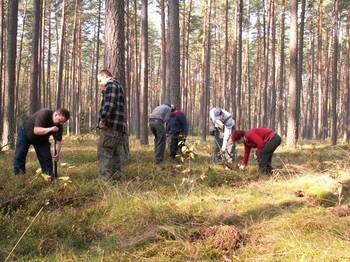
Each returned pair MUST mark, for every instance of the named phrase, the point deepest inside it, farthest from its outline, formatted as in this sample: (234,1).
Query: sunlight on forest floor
(180,211)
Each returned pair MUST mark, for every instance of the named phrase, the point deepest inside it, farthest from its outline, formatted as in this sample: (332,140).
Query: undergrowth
(158,212)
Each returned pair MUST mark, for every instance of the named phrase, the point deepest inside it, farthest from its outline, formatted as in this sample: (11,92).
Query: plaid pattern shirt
(112,112)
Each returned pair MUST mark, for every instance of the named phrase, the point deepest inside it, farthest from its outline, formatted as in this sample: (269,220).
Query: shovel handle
(55,162)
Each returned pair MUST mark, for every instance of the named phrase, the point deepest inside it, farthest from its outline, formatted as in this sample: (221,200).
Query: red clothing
(256,138)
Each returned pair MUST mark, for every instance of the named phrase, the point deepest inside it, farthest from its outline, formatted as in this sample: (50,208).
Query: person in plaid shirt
(112,123)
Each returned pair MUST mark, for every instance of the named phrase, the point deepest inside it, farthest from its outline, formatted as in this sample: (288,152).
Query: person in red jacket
(264,139)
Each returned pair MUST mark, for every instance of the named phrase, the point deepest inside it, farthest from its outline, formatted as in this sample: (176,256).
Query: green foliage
(153,214)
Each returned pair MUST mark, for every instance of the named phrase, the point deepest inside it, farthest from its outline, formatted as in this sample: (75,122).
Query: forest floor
(179,212)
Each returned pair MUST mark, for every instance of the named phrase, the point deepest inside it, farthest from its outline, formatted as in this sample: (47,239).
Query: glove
(241,167)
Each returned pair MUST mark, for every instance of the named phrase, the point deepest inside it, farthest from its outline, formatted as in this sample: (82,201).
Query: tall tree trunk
(48,71)
(2,26)
(97,57)
(9,116)
(310,119)
(335,70)
(19,58)
(144,73)
(300,67)
(173,57)
(266,61)
(115,51)
(206,71)
(42,86)
(320,73)
(61,57)
(136,76)
(347,80)
(164,97)
(115,39)
(128,64)
(73,93)
(187,58)
(234,66)
(34,102)
(273,67)
(291,130)
(239,63)
(226,73)
(248,77)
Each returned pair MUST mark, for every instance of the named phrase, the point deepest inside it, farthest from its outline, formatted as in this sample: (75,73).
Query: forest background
(279,64)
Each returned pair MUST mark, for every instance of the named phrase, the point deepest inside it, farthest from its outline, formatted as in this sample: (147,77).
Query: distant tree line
(274,63)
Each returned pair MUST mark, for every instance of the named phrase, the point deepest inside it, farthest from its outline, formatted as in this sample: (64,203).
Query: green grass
(153,212)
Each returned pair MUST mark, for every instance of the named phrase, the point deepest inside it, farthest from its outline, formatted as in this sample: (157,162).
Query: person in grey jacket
(157,121)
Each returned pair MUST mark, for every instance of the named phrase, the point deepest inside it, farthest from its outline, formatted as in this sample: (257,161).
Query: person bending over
(265,141)
(36,130)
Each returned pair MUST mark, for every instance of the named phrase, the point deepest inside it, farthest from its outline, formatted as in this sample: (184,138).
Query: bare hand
(102,125)
(54,129)
(56,158)
(241,167)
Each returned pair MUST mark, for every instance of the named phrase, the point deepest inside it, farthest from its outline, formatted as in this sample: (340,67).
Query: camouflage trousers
(109,152)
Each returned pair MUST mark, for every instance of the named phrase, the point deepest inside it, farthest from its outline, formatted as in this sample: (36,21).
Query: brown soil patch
(47,247)
(340,211)
(225,238)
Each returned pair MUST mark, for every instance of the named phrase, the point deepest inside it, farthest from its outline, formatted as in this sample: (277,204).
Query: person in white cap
(222,125)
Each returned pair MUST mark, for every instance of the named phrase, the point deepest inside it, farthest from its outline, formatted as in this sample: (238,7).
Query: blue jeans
(42,151)
(158,130)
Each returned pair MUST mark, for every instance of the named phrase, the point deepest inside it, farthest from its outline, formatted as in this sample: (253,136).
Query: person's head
(217,111)
(172,107)
(60,116)
(237,136)
(103,76)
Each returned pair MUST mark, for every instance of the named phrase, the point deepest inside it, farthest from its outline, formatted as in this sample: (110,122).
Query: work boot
(19,173)
(158,161)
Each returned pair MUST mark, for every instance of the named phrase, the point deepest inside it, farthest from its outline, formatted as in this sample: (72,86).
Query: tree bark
(291,130)
(144,73)
(97,57)
(9,116)
(273,67)
(34,101)
(2,29)
(335,70)
(239,63)
(115,51)
(164,97)
(61,58)
(173,57)
(205,71)
(300,67)
(19,58)
(347,81)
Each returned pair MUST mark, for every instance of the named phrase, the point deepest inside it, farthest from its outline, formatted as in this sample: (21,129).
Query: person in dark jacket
(264,139)
(36,130)
(177,127)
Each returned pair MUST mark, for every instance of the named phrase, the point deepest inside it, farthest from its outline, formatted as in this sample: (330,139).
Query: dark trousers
(158,130)
(265,156)
(42,151)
